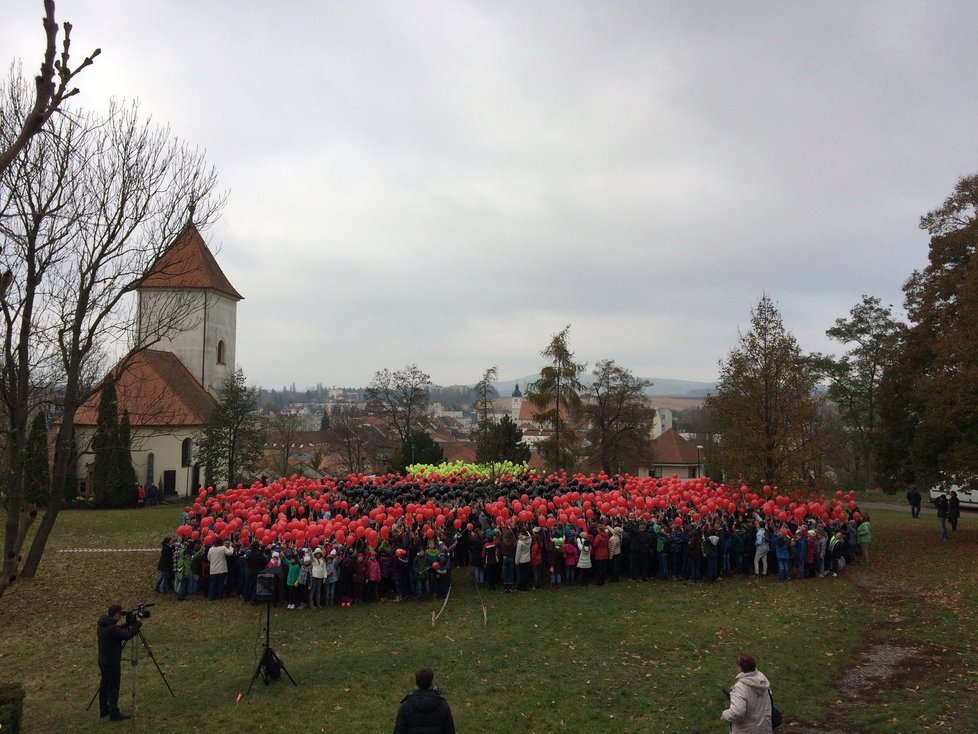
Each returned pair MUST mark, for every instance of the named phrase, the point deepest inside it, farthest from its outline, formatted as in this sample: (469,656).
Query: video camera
(140,611)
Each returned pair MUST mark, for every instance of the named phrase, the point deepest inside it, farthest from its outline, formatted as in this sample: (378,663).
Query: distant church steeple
(516,391)
(517,403)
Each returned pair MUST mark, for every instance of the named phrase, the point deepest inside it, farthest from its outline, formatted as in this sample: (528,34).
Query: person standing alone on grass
(913,497)
(424,711)
(751,703)
(942,506)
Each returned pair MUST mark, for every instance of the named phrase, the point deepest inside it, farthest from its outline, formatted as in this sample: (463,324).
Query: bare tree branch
(48,94)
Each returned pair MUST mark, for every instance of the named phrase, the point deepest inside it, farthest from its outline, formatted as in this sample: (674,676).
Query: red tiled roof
(458,450)
(672,448)
(187,263)
(157,390)
(529,412)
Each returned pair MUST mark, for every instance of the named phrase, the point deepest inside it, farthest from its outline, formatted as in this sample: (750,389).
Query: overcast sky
(450,183)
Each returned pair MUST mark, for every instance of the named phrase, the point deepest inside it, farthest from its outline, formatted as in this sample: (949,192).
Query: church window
(221,356)
(186,452)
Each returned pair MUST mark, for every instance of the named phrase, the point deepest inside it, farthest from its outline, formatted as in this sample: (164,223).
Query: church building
(187,318)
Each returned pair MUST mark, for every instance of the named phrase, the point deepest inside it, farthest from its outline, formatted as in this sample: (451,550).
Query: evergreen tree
(765,405)
(108,481)
(485,393)
(420,448)
(502,442)
(233,440)
(37,470)
(557,398)
(124,454)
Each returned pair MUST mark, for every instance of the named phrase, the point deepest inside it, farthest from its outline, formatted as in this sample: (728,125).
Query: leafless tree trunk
(286,425)
(92,208)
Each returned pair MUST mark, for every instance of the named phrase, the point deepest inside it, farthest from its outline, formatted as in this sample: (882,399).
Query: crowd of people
(503,552)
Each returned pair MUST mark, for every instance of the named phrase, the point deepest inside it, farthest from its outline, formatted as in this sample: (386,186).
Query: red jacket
(536,553)
(599,546)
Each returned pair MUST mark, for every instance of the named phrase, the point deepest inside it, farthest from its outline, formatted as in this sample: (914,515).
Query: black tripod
(270,666)
(133,662)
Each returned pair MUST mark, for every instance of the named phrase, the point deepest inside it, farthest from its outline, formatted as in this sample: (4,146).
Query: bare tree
(285,426)
(355,443)
(94,203)
(399,399)
(51,88)
(620,420)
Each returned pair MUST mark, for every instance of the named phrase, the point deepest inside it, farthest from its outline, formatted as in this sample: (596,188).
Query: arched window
(187,452)
(221,357)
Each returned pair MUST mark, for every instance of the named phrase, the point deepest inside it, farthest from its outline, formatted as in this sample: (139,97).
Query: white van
(967,497)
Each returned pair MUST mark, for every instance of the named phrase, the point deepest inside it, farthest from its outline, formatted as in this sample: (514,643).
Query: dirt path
(886,661)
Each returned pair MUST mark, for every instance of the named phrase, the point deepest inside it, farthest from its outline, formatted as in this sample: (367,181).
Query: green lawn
(628,657)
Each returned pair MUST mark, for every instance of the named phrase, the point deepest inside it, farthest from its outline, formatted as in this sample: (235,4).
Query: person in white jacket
(317,579)
(750,700)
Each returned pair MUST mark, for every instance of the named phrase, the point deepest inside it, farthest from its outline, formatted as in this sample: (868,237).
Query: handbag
(775,712)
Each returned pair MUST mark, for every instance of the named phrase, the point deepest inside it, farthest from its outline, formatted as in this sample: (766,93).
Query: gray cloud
(451,183)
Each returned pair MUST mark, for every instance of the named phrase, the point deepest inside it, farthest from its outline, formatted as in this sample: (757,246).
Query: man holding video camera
(111,636)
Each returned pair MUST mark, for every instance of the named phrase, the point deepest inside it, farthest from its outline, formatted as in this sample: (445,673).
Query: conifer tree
(105,466)
(37,470)
(557,397)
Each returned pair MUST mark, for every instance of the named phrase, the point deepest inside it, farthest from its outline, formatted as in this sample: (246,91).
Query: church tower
(517,403)
(188,307)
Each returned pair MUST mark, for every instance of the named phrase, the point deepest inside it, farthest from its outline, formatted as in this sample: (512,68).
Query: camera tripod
(270,665)
(133,662)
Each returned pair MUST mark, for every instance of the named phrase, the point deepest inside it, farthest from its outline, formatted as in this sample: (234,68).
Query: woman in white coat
(750,700)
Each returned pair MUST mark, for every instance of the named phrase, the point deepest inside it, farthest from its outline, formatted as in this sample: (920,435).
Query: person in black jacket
(641,552)
(914,498)
(424,711)
(941,504)
(111,636)
(165,582)
(953,510)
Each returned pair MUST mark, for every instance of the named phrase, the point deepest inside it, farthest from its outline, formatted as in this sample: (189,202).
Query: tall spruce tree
(37,469)
(233,439)
(124,456)
(107,477)
(765,404)
(557,399)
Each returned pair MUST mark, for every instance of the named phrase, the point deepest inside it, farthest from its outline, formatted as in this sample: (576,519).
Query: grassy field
(627,658)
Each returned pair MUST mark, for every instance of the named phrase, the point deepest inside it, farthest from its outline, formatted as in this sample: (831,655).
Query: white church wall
(206,319)
(166,446)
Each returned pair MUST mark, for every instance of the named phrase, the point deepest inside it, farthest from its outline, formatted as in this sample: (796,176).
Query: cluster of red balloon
(312,512)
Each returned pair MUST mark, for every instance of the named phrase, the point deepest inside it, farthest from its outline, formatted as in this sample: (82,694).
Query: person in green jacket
(183,571)
(865,536)
(293,567)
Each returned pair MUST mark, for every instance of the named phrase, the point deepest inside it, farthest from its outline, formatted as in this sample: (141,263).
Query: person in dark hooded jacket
(424,711)
(111,636)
